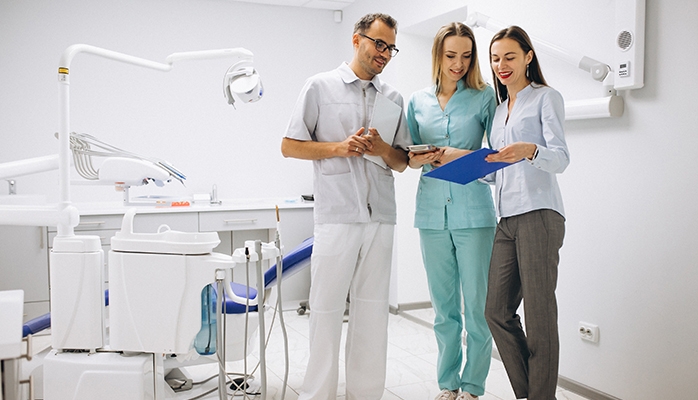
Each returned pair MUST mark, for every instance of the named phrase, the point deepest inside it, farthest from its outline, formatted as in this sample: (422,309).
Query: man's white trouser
(356,257)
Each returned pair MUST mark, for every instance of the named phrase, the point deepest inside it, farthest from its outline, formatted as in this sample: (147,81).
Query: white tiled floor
(411,371)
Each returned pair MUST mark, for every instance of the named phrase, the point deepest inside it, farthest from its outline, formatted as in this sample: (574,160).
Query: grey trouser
(524,266)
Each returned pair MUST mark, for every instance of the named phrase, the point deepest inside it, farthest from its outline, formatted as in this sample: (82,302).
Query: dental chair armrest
(231,294)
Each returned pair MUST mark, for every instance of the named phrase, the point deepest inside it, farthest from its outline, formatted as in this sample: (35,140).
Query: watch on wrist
(535,153)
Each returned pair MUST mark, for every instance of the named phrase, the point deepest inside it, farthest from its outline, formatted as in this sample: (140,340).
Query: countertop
(117,208)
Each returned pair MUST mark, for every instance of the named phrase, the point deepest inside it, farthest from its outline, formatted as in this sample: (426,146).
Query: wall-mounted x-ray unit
(629,51)
(625,72)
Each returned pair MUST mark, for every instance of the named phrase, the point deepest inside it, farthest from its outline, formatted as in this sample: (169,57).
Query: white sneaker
(446,395)
(466,396)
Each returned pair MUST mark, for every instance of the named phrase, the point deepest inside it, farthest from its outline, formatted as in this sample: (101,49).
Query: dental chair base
(11,311)
(156,284)
(103,375)
(154,299)
(77,293)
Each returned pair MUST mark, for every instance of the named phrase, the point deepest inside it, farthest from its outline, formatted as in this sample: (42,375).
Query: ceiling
(323,4)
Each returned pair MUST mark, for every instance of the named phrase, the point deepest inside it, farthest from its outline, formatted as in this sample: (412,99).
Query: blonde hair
(473,76)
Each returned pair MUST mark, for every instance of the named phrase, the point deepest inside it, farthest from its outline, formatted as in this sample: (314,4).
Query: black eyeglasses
(381,46)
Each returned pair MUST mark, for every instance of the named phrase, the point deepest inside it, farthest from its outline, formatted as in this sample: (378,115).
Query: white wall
(628,263)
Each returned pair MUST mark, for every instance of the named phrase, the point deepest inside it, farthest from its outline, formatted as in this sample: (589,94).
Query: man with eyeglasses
(355,211)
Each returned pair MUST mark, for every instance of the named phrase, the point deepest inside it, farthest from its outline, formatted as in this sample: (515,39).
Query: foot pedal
(239,384)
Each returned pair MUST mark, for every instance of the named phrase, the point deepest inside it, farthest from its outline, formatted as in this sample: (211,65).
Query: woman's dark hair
(533,71)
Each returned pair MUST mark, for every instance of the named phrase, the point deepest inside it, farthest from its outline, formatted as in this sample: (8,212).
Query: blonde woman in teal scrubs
(456,222)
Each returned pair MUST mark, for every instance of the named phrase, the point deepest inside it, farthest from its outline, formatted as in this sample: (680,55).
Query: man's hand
(378,147)
(355,145)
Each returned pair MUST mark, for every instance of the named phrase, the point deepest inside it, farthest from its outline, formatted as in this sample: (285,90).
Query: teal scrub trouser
(457,261)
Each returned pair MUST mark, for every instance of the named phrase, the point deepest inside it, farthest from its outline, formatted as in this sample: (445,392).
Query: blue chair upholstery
(36,325)
(293,262)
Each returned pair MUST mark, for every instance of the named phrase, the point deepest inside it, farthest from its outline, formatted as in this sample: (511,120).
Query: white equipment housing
(629,52)
(77,293)
(155,286)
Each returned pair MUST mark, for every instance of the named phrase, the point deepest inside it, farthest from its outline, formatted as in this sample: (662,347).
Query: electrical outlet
(589,332)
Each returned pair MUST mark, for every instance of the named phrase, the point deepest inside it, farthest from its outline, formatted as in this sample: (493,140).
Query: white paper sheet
(386,116)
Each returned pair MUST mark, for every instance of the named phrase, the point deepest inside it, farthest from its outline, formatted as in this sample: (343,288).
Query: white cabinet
(24,265)
(242,220)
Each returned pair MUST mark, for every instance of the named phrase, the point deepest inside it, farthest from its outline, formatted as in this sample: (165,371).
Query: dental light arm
(72,51)
(610,105)
(14,169)
(598,70)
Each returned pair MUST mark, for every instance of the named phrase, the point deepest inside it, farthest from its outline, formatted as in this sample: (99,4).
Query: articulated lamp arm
(610,105)
(598,70)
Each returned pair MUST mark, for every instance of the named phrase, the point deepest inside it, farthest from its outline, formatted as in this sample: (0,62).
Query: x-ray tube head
(243,81)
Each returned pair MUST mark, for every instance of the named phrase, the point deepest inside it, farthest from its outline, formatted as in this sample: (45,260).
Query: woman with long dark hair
(527,131)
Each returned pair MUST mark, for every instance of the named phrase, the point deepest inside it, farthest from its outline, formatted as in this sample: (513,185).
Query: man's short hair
(362,25)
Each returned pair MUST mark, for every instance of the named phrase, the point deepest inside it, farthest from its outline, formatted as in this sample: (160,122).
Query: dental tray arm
(119,167)
(131,172)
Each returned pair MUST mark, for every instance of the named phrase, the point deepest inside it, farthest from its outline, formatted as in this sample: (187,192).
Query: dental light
(242,79)
(630,18)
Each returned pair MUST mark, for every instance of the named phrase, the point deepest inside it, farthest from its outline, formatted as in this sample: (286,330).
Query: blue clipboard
(467,168)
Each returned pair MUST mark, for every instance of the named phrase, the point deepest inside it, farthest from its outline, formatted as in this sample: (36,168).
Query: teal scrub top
(462,124)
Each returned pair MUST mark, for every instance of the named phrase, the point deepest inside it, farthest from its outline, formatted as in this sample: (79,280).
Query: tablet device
(421,148)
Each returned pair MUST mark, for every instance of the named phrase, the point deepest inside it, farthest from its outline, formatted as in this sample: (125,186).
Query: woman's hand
(417,160)
(451,153)
(512,153)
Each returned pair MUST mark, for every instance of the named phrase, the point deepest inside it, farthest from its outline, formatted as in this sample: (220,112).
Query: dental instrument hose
(260,305)
(260,313)
(220,340)
(279,308)
(232,295)
(247,310)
